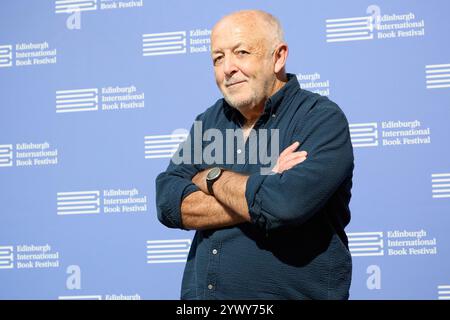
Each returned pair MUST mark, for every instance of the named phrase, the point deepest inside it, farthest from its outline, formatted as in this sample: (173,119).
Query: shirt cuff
(188,190)
(179,192)
(254,183)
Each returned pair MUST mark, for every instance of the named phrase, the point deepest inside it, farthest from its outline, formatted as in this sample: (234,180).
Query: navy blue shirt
(295,246)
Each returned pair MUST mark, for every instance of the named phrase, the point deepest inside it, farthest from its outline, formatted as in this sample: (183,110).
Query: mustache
(231,81)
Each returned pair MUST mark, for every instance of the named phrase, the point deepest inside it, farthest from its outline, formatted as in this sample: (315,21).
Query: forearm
(229,190)
(200,211)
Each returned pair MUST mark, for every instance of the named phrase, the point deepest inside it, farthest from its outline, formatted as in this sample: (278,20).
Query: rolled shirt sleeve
(171,189)
(292,197)
(173,185)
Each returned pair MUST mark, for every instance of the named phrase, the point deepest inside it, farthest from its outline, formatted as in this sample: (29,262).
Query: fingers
(293,160)
(295,154)
(290,164)
(290,149)
(290,160)
(292,155)
(303,153)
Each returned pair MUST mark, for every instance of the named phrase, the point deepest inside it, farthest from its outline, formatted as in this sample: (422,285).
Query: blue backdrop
(96,94)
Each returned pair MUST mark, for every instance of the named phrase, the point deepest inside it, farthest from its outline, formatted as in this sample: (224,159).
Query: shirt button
(239,151)
(210,286)
(274,115)
(214,251)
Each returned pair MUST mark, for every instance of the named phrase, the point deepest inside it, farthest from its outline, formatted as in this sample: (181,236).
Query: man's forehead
(245,17)
(233,35)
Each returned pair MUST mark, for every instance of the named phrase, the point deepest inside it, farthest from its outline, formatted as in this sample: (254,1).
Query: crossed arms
(298,190)
(228,206)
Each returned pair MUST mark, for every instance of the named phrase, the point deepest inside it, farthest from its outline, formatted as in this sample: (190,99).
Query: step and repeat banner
(95,96)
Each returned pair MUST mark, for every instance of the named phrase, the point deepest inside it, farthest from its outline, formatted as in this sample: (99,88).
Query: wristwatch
(212,177)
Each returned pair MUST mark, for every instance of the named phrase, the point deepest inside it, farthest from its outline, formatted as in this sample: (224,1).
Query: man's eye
(242,52)
(217,60)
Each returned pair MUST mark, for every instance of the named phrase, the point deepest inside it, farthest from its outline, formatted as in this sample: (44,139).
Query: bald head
(249,57)
(260,24)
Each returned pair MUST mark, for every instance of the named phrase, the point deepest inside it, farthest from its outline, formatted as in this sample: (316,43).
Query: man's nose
(229,66)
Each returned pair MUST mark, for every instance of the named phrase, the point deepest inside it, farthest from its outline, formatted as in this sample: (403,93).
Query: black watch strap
(209,184)
(212,177)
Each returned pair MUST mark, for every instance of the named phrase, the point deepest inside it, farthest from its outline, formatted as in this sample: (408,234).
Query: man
(264,236)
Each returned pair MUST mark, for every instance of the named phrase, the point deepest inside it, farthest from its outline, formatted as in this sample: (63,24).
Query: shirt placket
(215,251)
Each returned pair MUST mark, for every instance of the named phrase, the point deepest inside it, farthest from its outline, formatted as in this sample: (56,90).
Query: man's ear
(280,55)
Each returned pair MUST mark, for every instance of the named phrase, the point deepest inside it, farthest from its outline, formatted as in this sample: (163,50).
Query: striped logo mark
(443,292)
(440,185)
(154,44)
(78,202)
(162,146)
(363,244)
(90,297)
(5,56)
(364,134)
(76,100)
(437,76)
(67,6)
(6,155)
(168,251)
(6,257)
(349,29)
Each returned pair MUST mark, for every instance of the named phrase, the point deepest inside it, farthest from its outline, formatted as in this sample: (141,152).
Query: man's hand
(289,158)
(200,180)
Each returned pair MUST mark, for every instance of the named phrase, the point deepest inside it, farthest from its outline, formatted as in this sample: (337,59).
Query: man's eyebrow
(233,48)
(239,44)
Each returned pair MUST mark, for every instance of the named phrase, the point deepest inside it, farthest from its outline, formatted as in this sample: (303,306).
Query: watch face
(213,173)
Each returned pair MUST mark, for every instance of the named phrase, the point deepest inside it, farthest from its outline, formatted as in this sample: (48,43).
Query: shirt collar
(272,104)
(276,100)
